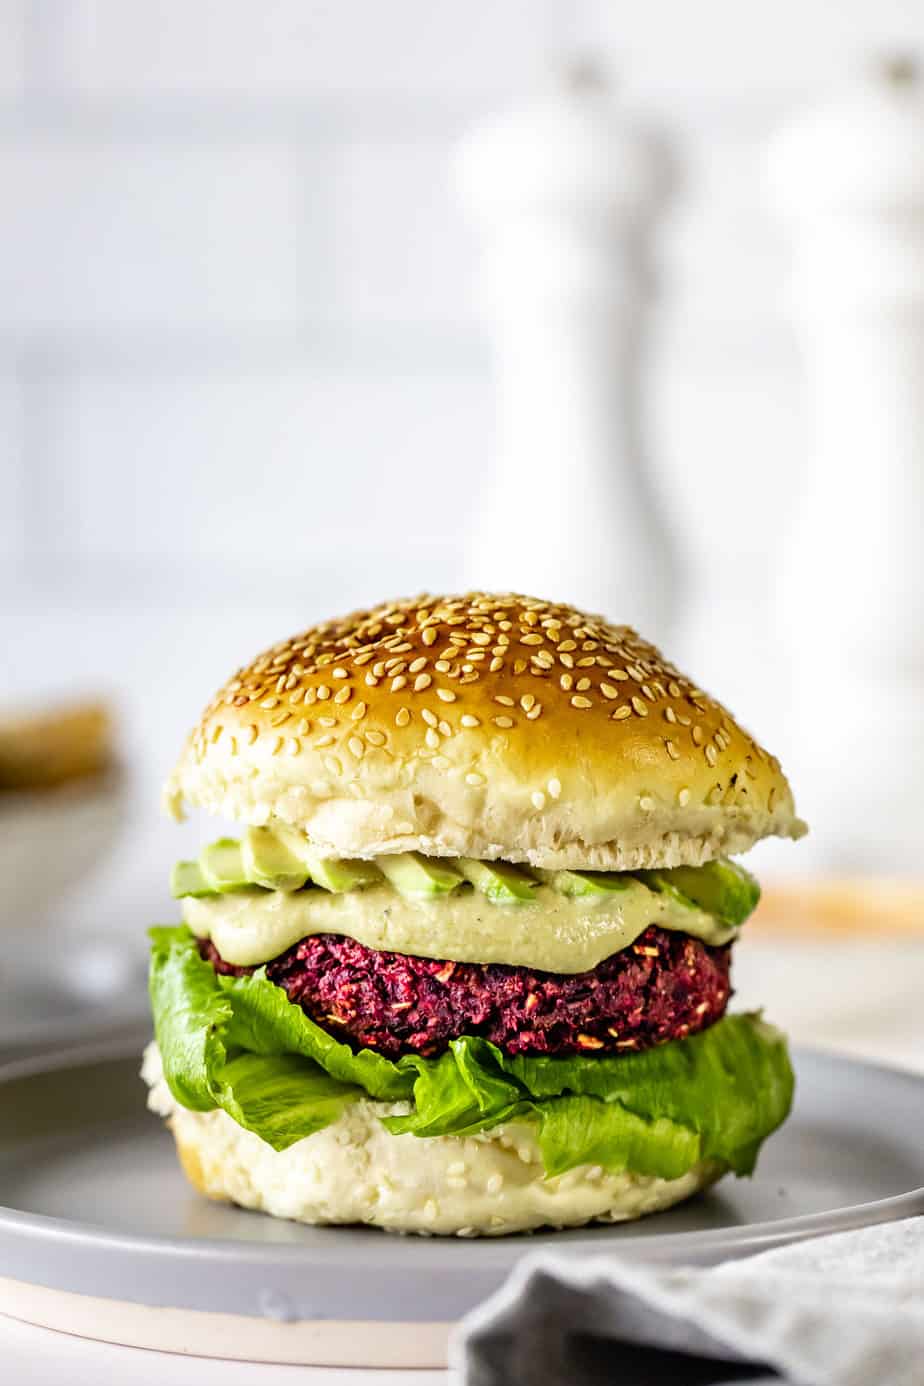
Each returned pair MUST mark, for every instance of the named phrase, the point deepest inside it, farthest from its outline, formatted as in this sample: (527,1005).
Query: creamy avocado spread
(552,933)
(256,898)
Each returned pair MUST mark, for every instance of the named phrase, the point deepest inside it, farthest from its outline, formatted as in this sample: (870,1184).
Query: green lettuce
(239,1044)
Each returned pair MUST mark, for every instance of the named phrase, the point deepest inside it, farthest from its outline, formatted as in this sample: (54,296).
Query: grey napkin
(844,1310)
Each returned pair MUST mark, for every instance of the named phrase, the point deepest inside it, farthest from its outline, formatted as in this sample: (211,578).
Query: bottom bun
(354,1171)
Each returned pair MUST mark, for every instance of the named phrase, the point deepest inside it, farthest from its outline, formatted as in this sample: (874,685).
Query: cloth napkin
(844,1310)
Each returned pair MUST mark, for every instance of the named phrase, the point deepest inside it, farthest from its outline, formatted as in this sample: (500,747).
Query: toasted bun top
(488,726)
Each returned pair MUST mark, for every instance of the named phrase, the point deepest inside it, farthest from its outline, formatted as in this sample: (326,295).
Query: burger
(465,968)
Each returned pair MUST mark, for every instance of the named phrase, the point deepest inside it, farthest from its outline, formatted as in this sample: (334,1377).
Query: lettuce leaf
(239,1044)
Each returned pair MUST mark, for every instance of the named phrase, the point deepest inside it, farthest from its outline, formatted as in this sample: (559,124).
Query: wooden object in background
(42,749)
(856,908)
(560,192)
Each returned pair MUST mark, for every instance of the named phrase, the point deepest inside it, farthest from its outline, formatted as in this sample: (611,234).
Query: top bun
(485,726)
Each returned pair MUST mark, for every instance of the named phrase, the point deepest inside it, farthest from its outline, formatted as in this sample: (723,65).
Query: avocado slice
(186,878)
(721,888)
(340,874)
(268,861)
(418,877)
(501,883)
(223,866)
(586,884)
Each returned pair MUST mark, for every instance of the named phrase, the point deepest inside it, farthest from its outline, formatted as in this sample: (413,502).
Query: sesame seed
(527,701)
(343,695)
(646,803)
(474,778)
(639,706)
(580,701)
(621,713)
(566,660)
(358,712)
(416,665)
(429,636)
(432,739)
(447,695)
(421,682)
(504,701)
(683,798)
(440,762)
(566,682)
(398,683)
(609,691)
(327,721)
(672,750)
(711,755)
(278,743)
(534,639)
(326,740)
(582,685)
(356,747)
(442,666)
(519,666)
(468,720)
(697,735)
(339,673)
(429,717)
(503,721)
(269,702)
(496,663)
(323,691)
(534,712)
(402,717)
(250,735)
(538,799)
(554,788)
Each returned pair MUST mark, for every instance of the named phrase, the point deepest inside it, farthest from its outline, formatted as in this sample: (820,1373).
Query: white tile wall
(272,470)
(101,235)
(12,48)
(242,380)
(298,48)
(12,472)
(402,251)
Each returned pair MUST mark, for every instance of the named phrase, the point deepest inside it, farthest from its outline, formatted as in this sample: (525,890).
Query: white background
(243,381)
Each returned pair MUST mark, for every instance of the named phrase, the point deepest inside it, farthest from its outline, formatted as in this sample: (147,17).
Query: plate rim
(39,1230)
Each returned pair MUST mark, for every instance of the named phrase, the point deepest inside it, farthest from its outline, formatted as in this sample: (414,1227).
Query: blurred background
(295,296)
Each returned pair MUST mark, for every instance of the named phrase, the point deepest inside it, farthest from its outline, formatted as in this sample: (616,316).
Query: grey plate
(94,1202)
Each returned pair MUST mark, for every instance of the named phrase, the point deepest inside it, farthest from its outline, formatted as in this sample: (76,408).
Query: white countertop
(43,1358)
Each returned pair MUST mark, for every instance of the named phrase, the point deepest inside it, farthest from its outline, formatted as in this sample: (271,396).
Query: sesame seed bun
(354,1171)
(492,726)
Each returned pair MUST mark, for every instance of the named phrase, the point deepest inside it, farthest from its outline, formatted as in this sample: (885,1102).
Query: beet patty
(665,986)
